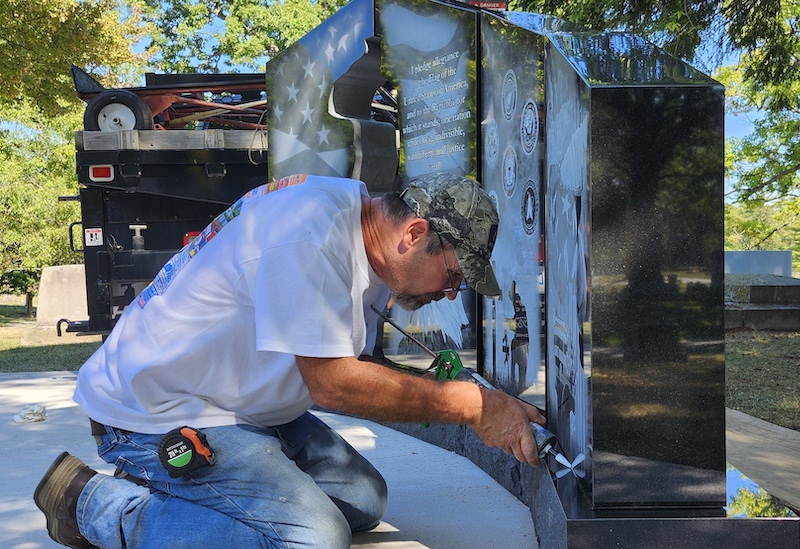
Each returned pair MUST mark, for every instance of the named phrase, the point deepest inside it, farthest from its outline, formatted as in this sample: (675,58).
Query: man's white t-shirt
(212,341)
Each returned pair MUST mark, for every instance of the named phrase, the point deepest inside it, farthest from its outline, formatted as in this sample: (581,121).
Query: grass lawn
(25,347)
(762,375)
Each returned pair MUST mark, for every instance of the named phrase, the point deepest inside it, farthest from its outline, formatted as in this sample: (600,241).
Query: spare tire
(116,110)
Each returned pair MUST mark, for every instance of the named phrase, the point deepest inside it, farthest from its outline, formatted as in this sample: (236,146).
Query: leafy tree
(763,37)
(211,35)
(759,226)
(751,504)
(768,32)
(766,162)
(765,77)
(38,159)
(41,38)
(678,27)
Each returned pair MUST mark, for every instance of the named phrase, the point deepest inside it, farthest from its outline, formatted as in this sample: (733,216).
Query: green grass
(11,314)
(26,348)
(46,358)
(762,372)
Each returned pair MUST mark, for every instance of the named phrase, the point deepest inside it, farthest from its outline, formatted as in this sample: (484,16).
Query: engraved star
(323,135)
(565,203)
(343,42)
(293,92)
(278,112)
(329,53)
(307,112)
(323,86)
(309,68)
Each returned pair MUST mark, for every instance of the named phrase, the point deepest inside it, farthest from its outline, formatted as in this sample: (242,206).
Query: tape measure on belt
(184,450)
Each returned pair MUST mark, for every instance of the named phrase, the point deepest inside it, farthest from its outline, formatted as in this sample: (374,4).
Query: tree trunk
(29,304)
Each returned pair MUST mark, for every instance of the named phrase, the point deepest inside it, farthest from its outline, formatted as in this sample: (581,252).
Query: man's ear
(416,231)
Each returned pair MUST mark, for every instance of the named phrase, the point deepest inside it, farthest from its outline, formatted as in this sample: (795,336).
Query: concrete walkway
(766,453)
(437,499)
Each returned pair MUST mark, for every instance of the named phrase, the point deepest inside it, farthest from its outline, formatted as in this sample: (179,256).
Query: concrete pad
(30,448)
(766,453)
(437,499)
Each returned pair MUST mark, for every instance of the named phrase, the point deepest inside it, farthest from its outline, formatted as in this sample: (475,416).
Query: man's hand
(505,423)
(375,392)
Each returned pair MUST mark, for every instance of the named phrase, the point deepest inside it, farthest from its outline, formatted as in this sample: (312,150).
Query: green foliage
(767,30)
(768,159)
(254,31)
(762,226)
(209,35)
(751,504)
(674,25)
(41,38)
(18,281)
(766,77)
(38,159)
(39,110)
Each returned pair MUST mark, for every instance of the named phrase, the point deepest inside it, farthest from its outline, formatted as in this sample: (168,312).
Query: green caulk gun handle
(448,366)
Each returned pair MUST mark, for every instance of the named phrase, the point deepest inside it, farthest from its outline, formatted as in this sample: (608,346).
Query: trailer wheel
(116,110)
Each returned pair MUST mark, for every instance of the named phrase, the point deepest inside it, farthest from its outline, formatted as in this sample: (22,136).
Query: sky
(739,125)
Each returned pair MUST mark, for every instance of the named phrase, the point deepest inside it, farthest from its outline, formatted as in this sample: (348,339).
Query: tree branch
(772,232)
(788,171)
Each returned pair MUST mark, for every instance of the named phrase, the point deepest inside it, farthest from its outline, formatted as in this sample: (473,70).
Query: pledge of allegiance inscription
(434,107)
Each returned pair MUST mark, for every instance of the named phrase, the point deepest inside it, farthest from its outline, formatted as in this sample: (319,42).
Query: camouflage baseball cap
(458,209)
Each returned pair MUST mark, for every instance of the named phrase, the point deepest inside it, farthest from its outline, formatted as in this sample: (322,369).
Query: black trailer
(144,194)
(157,163)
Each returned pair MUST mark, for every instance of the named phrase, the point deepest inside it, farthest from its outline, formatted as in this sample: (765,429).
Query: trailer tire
(116,110)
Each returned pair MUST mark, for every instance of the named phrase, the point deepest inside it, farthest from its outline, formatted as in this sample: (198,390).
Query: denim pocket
(131,469)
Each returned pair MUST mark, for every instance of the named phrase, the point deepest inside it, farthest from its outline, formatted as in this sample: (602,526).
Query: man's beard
(412,302)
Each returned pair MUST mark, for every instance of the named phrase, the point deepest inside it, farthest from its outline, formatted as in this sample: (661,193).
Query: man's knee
(329,531)
(364,512)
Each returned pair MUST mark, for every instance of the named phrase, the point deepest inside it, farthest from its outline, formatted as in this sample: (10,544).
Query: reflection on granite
(638,482)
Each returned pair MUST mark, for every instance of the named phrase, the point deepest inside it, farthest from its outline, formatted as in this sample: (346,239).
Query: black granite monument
(605,158)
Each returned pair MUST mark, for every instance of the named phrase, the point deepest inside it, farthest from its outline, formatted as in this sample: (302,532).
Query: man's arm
(375,392)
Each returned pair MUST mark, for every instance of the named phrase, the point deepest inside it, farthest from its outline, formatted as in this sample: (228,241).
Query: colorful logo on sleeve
(169,271)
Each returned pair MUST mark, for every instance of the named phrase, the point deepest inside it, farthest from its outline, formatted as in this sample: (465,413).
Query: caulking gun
(447,365)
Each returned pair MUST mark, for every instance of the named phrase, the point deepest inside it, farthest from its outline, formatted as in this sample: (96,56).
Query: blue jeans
(298,484)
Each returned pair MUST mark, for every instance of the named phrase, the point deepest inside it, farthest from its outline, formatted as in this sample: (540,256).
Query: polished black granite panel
(615,59)
(513,151)
(673,533)
(632,210)
(657,306)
